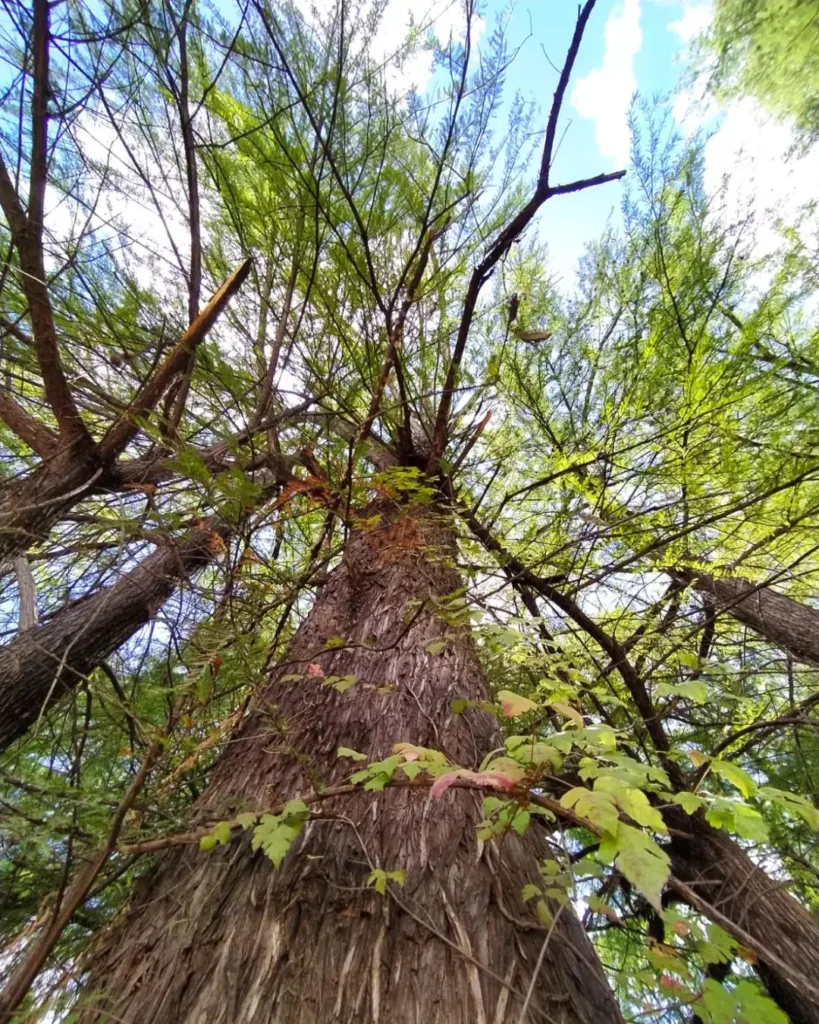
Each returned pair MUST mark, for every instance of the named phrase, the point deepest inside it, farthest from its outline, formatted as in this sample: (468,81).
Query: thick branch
(27,235)
(788,624)
(127,426)
(35,434)
(43,664)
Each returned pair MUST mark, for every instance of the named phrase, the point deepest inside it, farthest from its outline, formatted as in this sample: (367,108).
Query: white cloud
(751,168)
(605,94)
(750,154)
(695,19)
(445,19)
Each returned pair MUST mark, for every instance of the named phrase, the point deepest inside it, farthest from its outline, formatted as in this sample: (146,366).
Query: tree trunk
(723,874)
(222,936)
(43,663)
(786,623)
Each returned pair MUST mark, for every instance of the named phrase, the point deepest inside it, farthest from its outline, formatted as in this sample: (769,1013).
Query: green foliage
(769,49)
(744,1004)
(378,878)
(667,425)
(276,833)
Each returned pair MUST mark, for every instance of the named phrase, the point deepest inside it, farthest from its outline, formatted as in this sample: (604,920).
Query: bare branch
(503,243)
(27,594)
(127,426)
(27,234)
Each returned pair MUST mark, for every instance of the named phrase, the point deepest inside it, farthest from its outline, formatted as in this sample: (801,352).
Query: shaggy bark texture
(30,506)
(222,937)
(788,624)
(724,875)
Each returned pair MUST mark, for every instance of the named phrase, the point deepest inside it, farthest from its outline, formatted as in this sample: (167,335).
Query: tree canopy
(767,49)
(254,291)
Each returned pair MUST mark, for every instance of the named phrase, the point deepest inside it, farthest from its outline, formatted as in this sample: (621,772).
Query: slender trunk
(724,875)
(221,936)
(45,662)
(789,624)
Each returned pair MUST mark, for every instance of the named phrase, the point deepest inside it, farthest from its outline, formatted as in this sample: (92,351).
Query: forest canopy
(397,625)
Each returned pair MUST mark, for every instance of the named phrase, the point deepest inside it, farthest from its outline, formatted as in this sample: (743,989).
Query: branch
(39,119)
(557,101)
(27,234)
(21,980)
(396,337)
(127,426)
(578,186)
(237,828)
(615,651)
(36,435)
(803,985)
(27,594)
(503,243)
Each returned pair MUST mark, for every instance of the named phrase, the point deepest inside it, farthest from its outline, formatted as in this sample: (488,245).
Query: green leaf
(520,822)
(643,863)
(735,775)
(744,1003)
(567,711)
(738,817)
(695,691)
(793,803)
(378,879)
(633,802)
(689,802)
(599,807)
(340,683)
(274,836)
(545,916)
(353,754)
(514,705)
(218,836)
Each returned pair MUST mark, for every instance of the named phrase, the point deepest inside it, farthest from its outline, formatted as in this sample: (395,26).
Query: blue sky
(630,45)
(636,46)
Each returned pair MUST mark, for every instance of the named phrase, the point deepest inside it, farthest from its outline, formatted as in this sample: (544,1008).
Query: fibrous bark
(45,662)
(224,937)
(788,624)
(725,876)
(30,506)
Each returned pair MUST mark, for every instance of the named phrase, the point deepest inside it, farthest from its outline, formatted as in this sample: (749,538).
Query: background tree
(767,49)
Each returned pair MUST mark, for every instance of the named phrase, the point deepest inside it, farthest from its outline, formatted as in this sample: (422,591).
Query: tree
(439,869)
(418,663)
(359,676)
(767,49)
